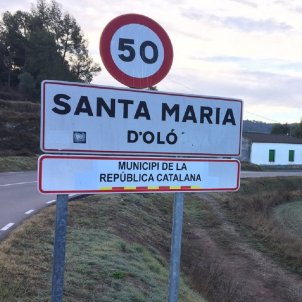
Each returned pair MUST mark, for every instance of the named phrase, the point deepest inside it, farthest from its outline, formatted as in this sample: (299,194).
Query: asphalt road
(252,174)
(19,197)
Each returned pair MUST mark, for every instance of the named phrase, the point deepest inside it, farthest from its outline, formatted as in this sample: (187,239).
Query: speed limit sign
(136,50)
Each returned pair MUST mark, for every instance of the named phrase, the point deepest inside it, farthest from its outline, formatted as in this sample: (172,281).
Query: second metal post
(177,222)
(59,248)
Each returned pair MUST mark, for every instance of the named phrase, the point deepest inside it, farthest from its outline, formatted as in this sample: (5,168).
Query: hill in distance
(257,126)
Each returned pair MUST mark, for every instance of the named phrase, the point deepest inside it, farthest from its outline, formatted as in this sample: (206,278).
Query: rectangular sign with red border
(81,118)
(62,174)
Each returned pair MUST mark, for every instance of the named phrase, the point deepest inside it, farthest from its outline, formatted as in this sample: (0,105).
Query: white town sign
(81,118)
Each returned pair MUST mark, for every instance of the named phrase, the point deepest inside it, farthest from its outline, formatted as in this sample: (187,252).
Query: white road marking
(18,183)
(14,172)
(8,226)
(51,201)
(29,211)
(54,200)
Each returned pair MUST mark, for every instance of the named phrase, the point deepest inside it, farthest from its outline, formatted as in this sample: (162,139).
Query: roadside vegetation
(117,247)
(19,128)
(289,215)
(252,209)
(242,246)
(246,166)
(18,163)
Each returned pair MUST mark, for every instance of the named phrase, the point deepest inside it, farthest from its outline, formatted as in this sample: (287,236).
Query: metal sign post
(178,207)
(59,248)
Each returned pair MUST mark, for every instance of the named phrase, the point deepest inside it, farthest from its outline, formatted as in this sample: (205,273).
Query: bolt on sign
(81,118)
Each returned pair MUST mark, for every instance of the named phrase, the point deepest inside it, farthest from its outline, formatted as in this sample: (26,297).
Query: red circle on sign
(115,70)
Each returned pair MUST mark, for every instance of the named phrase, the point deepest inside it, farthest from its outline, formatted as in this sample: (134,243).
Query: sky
(245,49)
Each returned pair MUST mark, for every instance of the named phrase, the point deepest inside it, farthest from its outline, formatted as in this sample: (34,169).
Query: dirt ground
(229,268)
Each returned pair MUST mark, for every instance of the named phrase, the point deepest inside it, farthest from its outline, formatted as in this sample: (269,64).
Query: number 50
(126,45)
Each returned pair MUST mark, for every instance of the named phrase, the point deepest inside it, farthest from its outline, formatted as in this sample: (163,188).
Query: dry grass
(25,260)
(119,245)
(19,106)
(247,166)
(202,260)
(252,209)
(18,163)
(19,128)
(114,252)
(232,233)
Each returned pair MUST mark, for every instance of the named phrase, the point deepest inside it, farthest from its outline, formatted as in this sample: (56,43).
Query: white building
(271,149)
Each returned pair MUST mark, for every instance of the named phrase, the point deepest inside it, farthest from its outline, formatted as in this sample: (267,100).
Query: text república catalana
(161,172)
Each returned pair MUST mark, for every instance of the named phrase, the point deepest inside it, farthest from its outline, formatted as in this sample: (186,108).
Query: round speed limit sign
(136,50)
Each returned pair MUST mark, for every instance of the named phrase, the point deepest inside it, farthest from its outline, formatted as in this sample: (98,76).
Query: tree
(26,84)
(68,37)
(82,65)
(45,44)
(280,129)
(297,130)
(13,34)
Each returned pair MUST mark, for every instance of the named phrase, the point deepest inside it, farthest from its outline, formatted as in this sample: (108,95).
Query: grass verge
(116,251)
(252,209)
(290,216)
(247,166)
(18,163)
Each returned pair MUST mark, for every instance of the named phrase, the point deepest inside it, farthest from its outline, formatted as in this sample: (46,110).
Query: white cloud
(232,48)
(244,24)
(246,2)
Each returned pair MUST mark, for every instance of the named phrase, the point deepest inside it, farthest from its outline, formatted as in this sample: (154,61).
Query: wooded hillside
(44,43)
